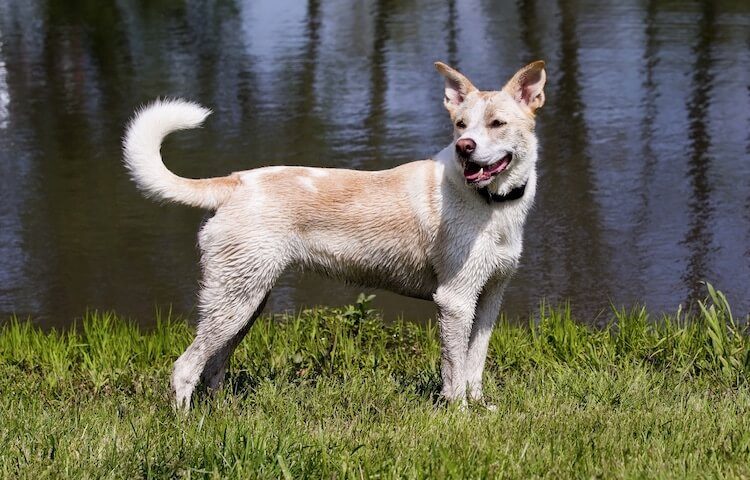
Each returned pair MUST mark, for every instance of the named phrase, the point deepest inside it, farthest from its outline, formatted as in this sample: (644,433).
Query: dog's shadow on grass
(237,384)
(427,385)
(244,383)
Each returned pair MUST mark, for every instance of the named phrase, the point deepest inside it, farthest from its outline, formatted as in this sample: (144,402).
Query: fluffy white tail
(141,151)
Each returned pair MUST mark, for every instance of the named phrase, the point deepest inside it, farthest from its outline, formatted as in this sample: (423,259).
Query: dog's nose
(465,146)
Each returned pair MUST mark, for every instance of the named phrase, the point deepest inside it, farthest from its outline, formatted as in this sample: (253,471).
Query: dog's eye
(497,123)
(460,124)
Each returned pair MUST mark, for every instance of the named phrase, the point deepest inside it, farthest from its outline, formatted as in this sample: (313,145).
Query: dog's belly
(388,265)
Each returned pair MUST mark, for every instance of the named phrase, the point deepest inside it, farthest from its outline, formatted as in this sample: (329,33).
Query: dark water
(645,162)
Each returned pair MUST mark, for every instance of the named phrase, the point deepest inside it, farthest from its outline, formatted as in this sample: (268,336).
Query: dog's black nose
(465,147)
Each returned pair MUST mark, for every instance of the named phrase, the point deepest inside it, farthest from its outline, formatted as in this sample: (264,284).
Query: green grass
(336,393)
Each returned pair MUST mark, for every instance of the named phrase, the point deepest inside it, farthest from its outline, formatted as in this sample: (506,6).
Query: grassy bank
(334,393)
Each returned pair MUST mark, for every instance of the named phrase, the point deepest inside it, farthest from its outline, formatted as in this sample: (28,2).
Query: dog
(447,229)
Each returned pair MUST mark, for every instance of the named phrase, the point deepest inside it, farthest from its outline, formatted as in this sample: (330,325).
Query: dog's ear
(456,86)
(527,86)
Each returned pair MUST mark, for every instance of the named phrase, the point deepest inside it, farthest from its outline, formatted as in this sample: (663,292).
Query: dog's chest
(500,246)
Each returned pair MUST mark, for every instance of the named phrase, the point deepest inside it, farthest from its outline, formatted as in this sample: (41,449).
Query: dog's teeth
(481,171)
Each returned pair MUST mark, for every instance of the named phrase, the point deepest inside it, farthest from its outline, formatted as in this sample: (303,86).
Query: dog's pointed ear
(457,87)
(527,86)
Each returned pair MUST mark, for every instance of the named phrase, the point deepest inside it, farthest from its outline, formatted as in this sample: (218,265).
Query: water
(645,150)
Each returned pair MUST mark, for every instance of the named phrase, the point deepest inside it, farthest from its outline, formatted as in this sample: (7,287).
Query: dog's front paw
(478,401)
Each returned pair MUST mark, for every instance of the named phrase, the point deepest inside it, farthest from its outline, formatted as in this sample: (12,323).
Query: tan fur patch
(346,196)
(372,209)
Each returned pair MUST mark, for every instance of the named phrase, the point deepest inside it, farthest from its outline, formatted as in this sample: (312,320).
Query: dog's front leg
(455,315)
(487,310)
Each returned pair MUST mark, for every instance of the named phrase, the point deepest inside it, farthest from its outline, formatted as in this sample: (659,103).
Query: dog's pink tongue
(499,166)
(472,171)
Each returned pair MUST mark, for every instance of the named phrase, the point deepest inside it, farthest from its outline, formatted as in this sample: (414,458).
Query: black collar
(514,194)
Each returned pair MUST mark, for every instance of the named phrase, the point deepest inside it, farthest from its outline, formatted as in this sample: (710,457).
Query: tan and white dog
(449,229)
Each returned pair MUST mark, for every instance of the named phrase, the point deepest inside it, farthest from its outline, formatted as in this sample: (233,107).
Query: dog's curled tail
(141,151)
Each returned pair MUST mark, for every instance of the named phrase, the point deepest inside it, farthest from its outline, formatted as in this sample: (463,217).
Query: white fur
(417,229)
(307,183)
(141,148)
(317,172)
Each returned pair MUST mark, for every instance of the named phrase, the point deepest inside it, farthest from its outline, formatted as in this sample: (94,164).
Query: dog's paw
(480,404)
(490,407)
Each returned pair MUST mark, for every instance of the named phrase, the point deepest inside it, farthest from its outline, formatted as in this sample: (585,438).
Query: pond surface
(645,152)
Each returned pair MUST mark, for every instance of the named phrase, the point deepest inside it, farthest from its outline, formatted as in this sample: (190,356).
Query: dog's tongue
(498,167)
(472,171)
(477,173)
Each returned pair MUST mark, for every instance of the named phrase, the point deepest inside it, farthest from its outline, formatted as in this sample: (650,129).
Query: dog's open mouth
(475,173)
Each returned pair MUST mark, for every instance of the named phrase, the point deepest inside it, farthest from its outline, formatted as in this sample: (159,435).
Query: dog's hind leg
(229,301)
(213,373)
(224,321)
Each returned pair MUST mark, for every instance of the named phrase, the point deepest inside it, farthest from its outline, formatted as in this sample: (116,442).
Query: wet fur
(418,229)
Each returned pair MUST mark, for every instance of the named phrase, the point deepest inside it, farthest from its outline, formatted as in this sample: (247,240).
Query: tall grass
(336,393)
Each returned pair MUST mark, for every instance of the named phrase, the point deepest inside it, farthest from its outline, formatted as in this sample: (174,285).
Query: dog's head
(493,131)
